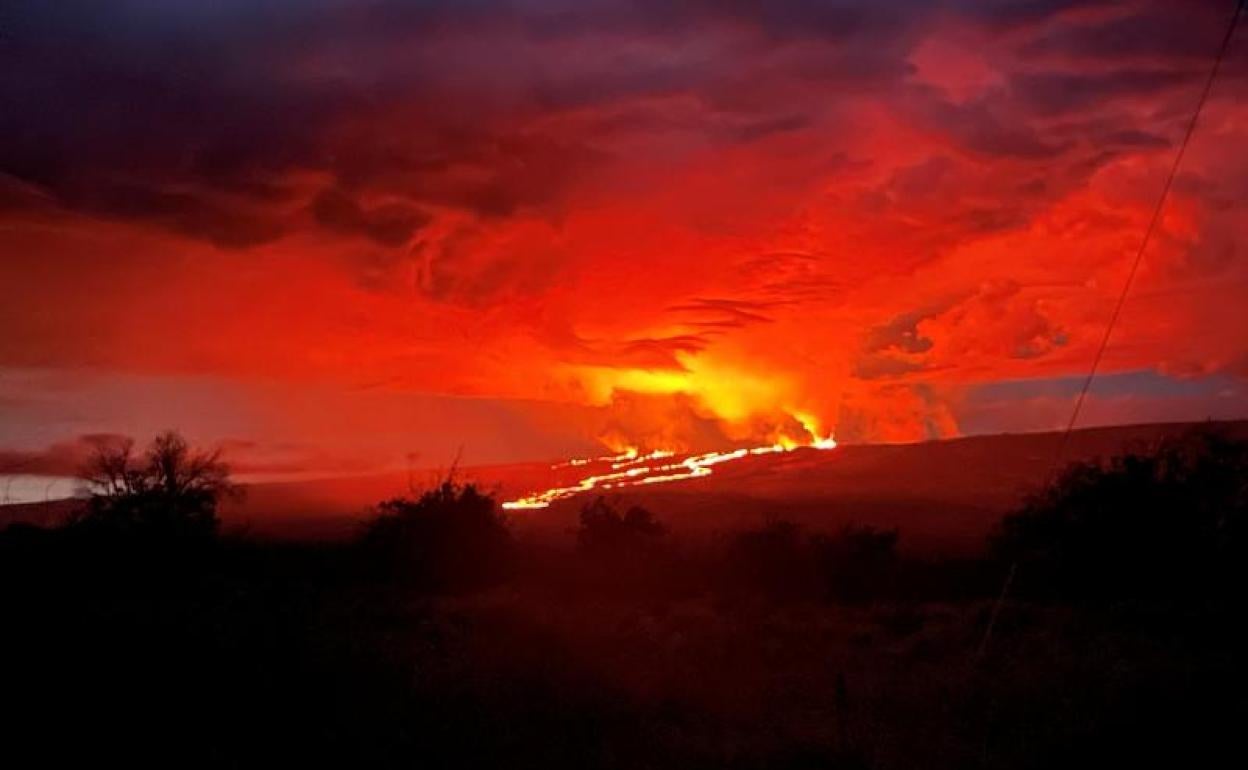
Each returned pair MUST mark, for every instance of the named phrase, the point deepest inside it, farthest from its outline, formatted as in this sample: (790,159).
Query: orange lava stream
(630,468)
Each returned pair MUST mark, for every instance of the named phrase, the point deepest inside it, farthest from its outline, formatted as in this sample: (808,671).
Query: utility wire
(1122,296)
(1148,234)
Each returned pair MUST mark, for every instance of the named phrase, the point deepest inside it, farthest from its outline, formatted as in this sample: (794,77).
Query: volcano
(944,496)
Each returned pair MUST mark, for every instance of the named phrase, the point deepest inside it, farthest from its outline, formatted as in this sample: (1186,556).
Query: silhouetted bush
(292,659)
(605,531)
(858,563)
(1167,522)
(451,538)
(775,561)
(171,491)
(781,561)
(625,552)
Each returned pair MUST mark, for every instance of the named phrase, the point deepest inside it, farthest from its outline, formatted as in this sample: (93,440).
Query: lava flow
(631,468)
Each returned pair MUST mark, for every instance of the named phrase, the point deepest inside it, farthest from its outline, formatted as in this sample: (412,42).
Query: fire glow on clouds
(332,234)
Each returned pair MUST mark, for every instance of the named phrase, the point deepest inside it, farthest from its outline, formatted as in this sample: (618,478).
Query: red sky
(340,236)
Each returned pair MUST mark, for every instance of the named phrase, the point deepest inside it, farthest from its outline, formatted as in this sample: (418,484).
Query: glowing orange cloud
(581,232)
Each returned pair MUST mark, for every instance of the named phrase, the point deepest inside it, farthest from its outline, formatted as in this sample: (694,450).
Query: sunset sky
(339,236)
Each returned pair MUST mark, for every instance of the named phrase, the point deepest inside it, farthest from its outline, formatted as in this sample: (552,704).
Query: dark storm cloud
(1011,14)
(834,20)
(876,367)
(198,117)
(64,458)
(151,111)
(1055,93)
(654,354)
(901,333)
(1156,30)
(718,313)
(1130,137)
(984,127)
(388,225)
(192,116)
(125,110)
(192,215)
(648,353)
(895,348)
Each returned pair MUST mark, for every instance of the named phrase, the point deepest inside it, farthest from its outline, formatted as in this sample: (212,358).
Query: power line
(1148,234)
(1122,296)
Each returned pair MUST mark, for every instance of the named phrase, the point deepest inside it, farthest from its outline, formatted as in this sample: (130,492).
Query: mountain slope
(942,495)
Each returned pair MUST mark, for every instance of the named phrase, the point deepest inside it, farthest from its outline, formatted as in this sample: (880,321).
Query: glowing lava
(631,468)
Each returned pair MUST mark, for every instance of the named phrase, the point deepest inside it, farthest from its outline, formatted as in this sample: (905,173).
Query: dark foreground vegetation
(138,634)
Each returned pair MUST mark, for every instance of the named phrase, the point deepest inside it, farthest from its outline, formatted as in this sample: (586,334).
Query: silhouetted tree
(169,490)
(604,530)
(451,538)
(1165,522)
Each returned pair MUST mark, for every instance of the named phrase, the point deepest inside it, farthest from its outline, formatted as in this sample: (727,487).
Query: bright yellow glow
(729,393)
(818,439)
(743,403)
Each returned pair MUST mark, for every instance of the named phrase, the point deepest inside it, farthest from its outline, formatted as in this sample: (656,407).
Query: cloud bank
(726,211)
